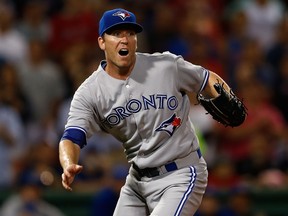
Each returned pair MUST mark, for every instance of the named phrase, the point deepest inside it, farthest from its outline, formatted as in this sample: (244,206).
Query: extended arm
(69,156)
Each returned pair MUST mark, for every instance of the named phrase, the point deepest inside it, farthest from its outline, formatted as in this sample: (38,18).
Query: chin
(125,63)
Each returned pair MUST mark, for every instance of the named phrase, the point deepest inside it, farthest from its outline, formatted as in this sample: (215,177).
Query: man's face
(119,46)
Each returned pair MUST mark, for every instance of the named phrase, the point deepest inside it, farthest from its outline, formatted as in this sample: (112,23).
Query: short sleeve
(82,112)
(192,78)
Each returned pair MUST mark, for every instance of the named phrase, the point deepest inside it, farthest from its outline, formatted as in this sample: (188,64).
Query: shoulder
(90,81)
(162,58)
(87,86)
(158,55)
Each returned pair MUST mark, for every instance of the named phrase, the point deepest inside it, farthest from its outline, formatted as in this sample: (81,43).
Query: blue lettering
(157,101)
(121,112)
(134,106)
(172,103)
(147,102)
(113,119)
(161,100)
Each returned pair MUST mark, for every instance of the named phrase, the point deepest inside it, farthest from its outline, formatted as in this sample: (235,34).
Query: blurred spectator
(201,19)
(41,163)
(11,93)
(163,37)
(264,119)
(272,179)
(11,145)
(12,129)
(28,201)
(210,206)
(203,52)
(253,55)
(104,201)
(77,64)
(236,37)
(281,90)
(230,37)
(223,175)
(262,157)
(34,24)
(263,17)
(72,25)
(13,47)
(235,202)
(240,203)
(41,81)
(202,35)
(280,47)
(52,6)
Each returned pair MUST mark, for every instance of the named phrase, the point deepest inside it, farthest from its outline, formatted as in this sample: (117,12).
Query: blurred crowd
(49,47)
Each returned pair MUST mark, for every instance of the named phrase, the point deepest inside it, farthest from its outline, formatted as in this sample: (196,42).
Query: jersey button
(127,86)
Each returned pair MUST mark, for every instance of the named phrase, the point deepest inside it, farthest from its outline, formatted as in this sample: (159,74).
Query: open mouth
(123,52)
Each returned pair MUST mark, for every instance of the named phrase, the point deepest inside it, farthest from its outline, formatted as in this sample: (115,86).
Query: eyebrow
(120,28)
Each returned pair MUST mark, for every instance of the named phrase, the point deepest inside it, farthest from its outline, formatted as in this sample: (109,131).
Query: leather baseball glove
(226,108)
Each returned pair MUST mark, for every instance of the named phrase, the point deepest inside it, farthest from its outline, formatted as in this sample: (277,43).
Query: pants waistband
(192,158)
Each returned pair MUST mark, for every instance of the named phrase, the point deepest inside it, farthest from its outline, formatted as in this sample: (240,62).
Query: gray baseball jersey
(148,111)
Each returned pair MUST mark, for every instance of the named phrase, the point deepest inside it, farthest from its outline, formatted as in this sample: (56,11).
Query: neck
(119,72)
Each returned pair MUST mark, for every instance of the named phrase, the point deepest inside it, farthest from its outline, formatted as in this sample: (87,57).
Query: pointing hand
(69,174)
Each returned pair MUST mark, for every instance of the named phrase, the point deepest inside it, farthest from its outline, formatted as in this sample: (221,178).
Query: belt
(169,167)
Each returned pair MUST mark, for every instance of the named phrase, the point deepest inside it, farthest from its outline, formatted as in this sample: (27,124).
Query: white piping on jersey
(78,128)
(189,190)
(206,77)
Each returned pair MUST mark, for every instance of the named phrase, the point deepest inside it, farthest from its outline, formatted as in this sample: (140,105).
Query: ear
(101,43)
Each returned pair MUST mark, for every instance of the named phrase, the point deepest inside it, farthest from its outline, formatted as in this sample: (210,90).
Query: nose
(124,39)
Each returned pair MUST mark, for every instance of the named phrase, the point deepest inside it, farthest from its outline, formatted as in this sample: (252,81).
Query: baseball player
(141,99)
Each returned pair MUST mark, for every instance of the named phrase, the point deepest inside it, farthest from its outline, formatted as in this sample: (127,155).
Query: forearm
(68,153)
(209,90)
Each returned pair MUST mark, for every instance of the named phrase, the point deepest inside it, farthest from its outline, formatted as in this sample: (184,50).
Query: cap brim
(123,25)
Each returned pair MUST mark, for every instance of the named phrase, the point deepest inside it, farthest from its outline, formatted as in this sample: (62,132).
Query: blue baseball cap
(117,18)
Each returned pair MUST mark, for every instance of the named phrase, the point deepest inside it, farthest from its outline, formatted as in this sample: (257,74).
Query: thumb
(75,169)
(78,168)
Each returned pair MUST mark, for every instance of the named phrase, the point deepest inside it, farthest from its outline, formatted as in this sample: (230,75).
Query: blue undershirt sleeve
(76,134)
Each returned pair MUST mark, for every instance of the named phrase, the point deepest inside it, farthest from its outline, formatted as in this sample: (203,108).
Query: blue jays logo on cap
(115,18)
(122,14)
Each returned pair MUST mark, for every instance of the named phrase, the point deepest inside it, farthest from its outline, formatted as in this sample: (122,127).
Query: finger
(68,180)
(64,178)
(65,182)
(69,175)
(67,187)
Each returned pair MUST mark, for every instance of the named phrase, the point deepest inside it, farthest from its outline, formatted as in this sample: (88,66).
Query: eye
(121,33)
(131,33)
(116,33)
